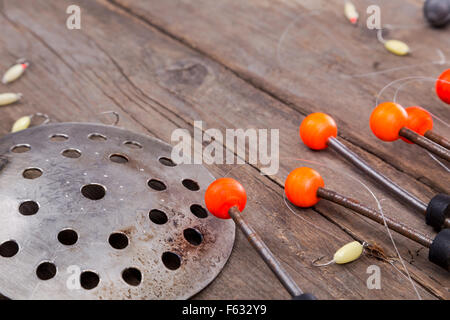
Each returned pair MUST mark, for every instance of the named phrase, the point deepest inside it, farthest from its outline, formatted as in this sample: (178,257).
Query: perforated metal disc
(66,188)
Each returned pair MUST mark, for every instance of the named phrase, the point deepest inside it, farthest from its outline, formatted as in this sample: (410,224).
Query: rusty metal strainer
(91,211)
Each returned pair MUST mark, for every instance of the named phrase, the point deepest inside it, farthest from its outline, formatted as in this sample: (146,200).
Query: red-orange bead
(443,86)
(316,129)
(223,194)
(301,187)
(419,121)
(387,119)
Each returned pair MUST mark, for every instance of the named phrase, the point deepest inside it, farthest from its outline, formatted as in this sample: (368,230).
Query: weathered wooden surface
(164,64)
(308,56)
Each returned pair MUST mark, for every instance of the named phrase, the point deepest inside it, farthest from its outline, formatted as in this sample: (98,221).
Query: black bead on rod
(437,12)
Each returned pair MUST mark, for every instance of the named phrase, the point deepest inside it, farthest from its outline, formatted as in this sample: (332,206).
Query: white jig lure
(8,98)
(15,72)
(348,253)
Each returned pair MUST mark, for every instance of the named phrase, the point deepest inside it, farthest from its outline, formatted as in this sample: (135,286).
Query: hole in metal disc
(32,173)
(9,249)
(29,208)
(118,240)
(71,153)
(93,191)
(118,158)
(157,185)
(191,184)
(132,276)
(46,270)
(157,216)
(21,148)
(167,162)
(193,236)
(68,237)
(59,137)
(97,137)
(133,144)
(199,211)
(89,280)
(171,260)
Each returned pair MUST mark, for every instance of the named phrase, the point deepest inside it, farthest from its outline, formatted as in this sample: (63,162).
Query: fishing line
(308,222)
(432,114)
(404,26)
(424,79)
(116,116)
(442,61)
(403,79)
(380,36)
(439,162)
(287,29)
(392,240)
(234,167)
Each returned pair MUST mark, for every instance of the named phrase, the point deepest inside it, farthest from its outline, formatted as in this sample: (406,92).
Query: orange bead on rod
(225,198)
(389,122)
(387,119)
(352,157)
(223,194)
(316,129)
(421,122)
(301,187)
(443,86)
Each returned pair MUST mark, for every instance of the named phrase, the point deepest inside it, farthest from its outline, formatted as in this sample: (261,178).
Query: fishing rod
(225,198)
(421,122)
(389,122)
(304,187)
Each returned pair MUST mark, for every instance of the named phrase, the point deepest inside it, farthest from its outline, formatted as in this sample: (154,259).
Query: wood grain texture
(307,55)
(118,61)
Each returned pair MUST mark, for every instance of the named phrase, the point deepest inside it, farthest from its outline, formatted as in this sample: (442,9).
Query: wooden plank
(288,145)
(156,83)
(307,55)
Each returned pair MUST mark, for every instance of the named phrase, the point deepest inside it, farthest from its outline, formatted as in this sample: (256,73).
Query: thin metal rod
(386,182)
(430,134)
(265,253)
(374,215)
(425,143)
